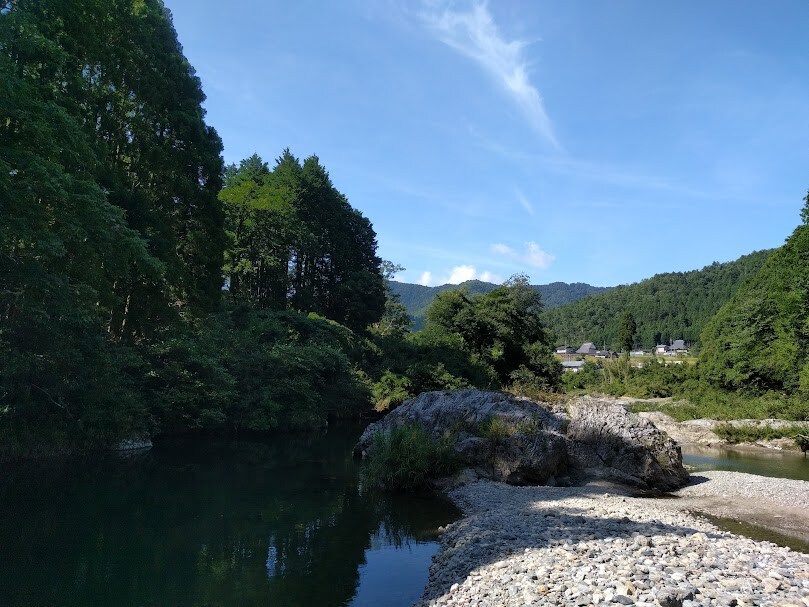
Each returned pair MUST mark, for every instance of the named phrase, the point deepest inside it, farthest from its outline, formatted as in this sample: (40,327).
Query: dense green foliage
(492,340)
(500,329)
(417,298)
(255,370)
(618,377)
(758,341)
(110,230)
(665,307)
(296,243)
(113,233)
(408,458)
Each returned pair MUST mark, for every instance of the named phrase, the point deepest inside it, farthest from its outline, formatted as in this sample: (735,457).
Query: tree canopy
(758,340)
(296,243)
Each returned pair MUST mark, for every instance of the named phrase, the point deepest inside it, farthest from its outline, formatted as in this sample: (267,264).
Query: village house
(573,366)
(565,350)
(678,347)
(587,348)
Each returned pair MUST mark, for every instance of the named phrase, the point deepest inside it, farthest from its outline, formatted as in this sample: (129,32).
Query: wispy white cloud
(532,255)
(525,203)
(475,34)
(459,274)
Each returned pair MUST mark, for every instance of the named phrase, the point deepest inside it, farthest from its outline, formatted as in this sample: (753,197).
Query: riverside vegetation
(147,289)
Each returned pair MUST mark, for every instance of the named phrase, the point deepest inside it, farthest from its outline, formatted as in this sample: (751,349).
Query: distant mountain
(676,305)
(417,298)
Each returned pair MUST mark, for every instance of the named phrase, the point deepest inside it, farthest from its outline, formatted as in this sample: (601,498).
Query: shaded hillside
(417,298)
(676,305)
(758,340)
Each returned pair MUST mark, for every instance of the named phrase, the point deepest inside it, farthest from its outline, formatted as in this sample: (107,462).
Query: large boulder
(606,441)
(502,436)
(519,441)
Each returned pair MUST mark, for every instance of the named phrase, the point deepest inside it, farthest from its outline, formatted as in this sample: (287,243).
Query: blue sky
(573,141)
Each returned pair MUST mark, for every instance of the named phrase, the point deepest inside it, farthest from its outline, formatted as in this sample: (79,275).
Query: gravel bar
(580,546)
(739,484)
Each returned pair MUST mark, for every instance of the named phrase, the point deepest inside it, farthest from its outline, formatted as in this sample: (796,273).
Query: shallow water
(279,522)
(764,463)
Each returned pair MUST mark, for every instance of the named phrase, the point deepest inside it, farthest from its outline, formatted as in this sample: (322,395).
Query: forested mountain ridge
(417,298)
(674,305)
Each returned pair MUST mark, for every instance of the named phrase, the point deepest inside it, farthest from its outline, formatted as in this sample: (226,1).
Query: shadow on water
(273,522)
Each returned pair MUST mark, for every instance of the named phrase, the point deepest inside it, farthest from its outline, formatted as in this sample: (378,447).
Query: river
(780,464)
(280,522)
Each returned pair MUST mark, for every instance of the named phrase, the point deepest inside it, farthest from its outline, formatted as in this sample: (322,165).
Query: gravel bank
(738,484)
(779,504)
(583,546)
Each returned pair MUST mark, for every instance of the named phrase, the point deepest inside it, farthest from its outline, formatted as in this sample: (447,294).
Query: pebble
(575,547)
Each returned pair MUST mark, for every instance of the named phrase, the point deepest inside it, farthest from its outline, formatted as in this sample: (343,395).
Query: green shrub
(408,458)
(391,391)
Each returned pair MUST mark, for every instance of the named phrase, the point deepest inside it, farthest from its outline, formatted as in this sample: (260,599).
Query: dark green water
(277,522)
(775,463)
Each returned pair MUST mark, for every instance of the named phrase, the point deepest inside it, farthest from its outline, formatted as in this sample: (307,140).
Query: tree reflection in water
(277,521)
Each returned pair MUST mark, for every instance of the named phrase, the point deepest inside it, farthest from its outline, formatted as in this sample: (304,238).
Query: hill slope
(758,340)
(670,306)
(417,298)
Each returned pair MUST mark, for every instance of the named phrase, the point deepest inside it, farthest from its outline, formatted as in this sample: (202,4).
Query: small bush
(408,458)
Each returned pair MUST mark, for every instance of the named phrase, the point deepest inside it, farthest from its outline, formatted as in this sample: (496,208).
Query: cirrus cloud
(475,34)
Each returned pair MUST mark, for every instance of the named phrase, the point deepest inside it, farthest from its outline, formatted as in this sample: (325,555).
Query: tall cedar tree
(109,223)
(296,243)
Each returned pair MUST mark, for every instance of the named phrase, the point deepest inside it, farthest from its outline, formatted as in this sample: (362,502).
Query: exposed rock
(606,441)
(536,443)
(532,450)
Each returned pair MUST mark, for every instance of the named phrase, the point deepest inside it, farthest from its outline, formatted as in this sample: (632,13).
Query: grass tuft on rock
(408,459)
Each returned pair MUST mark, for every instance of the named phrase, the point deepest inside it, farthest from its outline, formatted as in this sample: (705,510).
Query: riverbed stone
(572,546)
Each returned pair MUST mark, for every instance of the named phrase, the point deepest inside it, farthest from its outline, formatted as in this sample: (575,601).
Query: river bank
(596,544)
(701,431)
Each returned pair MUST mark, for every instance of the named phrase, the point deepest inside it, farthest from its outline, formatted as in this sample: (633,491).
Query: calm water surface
(277,522)
(775,463)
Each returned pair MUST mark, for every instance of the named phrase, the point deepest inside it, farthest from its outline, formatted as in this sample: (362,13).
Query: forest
(675,305)
(148,289)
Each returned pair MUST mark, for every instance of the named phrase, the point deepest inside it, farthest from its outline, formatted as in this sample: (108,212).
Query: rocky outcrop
(606,441)
(516,440)
(501,436)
